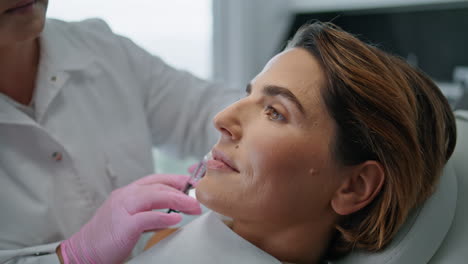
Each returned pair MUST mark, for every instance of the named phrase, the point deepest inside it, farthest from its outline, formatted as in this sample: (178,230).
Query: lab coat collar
(60,55)
(60,51)
(10,115)
(203,241)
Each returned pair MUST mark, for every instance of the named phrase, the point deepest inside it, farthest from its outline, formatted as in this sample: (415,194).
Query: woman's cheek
(273,157)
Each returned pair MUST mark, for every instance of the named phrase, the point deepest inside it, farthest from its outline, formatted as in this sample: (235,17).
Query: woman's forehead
(297,70)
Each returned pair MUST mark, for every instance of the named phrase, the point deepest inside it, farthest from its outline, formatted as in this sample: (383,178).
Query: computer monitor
(433,37)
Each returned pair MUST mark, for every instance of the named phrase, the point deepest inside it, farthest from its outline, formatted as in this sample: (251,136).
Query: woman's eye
(273,114)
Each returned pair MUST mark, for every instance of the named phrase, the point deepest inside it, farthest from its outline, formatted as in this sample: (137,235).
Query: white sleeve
(45,254)
(179,106)
(42,254)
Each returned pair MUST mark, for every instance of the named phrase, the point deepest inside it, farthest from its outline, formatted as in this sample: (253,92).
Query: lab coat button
(57,156)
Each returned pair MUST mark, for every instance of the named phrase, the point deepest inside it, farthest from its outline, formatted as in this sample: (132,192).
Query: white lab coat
(101,103)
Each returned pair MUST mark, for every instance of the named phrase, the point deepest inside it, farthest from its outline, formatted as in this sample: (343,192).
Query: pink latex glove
(192,168)
(112,233)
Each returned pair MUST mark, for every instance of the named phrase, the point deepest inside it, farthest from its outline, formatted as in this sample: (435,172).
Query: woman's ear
(361,186)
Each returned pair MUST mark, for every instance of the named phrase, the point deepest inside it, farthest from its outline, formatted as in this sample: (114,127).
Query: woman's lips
(219,165)
(221,161)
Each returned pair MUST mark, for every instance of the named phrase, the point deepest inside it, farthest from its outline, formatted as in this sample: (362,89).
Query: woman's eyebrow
(274,90)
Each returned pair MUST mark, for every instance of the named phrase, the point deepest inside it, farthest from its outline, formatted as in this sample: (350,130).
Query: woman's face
(21,20)
(273,161)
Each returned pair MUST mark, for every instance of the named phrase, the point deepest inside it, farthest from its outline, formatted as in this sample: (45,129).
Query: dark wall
(437,36)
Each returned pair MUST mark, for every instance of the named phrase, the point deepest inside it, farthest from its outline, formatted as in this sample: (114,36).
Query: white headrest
(423,232)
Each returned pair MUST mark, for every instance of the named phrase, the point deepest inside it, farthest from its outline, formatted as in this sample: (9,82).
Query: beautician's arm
(32,255)
(117,225)
(179,106)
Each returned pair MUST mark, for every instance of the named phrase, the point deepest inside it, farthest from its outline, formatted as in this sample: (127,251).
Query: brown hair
(385,110)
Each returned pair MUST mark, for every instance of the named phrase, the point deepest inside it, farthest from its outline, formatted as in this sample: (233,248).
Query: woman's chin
(210,197)
(202,195)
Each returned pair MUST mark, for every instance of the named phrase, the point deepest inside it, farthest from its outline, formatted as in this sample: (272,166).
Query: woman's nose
(228,122)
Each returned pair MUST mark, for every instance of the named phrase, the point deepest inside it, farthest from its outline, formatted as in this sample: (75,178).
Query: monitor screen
(435,38)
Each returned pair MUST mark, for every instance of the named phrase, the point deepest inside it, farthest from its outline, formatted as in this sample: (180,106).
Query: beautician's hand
(111,234)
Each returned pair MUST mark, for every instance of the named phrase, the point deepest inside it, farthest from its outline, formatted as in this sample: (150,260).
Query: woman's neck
(296,243)
(18,70)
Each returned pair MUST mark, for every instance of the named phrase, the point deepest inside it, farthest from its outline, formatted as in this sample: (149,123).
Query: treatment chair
(437,231)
